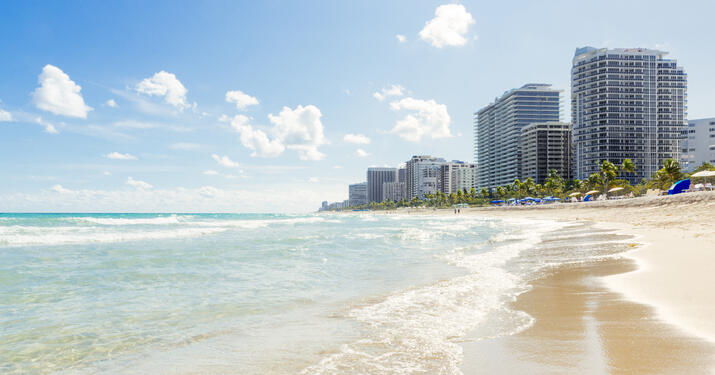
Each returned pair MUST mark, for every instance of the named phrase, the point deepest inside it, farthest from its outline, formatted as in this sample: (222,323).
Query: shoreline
(662,288)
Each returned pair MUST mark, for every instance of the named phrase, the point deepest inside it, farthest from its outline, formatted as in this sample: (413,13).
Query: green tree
(608,172)
(500,192)
(554,183)
(484,193)
(628,167)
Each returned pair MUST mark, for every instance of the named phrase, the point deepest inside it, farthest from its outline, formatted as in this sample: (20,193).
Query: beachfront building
(497,130)
(394,191)
(376,176)
(626,104)
(357,194)
(458,175)
(423,174)
(545,146)
(698,143)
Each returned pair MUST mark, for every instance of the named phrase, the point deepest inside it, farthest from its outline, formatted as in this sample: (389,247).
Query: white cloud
(448,27)
(361,153)
(225,161)
(393,90)
(49,128)
(298,129)
(357,139)
(106,173)
(59,189)
(185,146)
(138,184)
(401,38)
(58,94)
(111,103)
(241,99)
(210,172)
(428,118)
(255,139)
(143,125)
(313,180)
(337,166)
(166,85)
(5,116)
(119,156)
(301,130)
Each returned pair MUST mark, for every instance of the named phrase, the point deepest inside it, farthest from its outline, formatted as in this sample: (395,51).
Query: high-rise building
(423,175)
(357,194)
(626,104)
(375,178)
(546,146)
(497,130)
(393,191)
(458,175)
(698,143)
(402,175)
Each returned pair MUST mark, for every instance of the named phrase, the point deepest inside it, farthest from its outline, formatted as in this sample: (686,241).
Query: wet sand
(582,327)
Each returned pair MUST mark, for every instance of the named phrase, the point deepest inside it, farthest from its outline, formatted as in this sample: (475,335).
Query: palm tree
(628,166)
(594,180)
(529,186)
(554,182)
(484,193)
(500,192)
(670,171)
(608,172)
(517,186)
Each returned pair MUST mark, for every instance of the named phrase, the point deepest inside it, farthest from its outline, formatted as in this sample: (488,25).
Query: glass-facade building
(497,131)
(626,103)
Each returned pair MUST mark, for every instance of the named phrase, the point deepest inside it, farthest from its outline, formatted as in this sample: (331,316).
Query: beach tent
(679,187)
(588,198)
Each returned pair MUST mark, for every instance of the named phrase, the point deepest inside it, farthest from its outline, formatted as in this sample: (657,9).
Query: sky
(275,106)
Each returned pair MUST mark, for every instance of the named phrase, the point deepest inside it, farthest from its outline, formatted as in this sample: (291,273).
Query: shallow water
(179,293)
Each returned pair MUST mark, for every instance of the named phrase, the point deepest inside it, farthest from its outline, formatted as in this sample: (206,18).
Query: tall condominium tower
(698,143)
(375,178)
(357,194)
(626,103)
(458,175)
(546,146)
(423,175)
(497,130)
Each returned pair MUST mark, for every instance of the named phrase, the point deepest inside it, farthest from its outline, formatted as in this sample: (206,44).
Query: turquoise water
(245,293)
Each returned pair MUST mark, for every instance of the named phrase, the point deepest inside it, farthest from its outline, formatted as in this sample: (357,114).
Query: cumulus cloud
(5,116)
(361,153)
(59,189)
(393,90)
(225,161)
(426,118)
(138,184)
(241,99)
(111,103)
(256,139)
(119,156)
(301,130)
(449,26)
(58,94)
(401,38)
(298,129)
(357,139)
(166,85)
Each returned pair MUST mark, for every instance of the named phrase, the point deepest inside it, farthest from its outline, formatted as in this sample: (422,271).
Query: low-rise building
(458,175)
(698,144)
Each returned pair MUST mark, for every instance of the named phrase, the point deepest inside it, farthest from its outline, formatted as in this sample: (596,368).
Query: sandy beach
(647,310)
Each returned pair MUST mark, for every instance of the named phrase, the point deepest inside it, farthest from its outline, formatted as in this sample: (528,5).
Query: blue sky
(303,78)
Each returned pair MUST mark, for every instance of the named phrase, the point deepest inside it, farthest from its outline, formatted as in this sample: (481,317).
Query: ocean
(257,293)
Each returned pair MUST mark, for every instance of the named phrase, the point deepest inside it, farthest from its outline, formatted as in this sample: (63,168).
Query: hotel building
(376,177)
(626,103)
(698,144)
(545,146)
(497,130)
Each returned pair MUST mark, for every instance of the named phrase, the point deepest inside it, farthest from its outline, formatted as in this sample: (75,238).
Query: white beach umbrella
(574,194)
(615,189)
(704,174)
(591,192)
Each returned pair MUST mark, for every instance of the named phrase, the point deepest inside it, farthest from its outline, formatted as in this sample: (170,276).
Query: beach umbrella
(704,174)
(574,194)
(591,192)
(615,189)
(497,201)
(679,187)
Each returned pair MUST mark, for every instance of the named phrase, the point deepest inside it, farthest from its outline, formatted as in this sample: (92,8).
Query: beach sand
(649,311)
